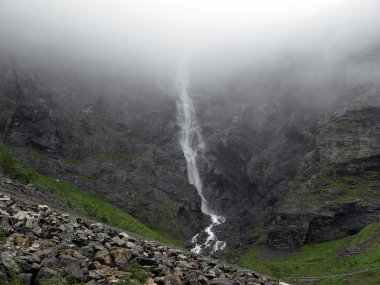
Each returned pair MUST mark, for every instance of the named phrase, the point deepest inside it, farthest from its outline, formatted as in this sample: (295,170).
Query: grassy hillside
(77,199)
(350,254)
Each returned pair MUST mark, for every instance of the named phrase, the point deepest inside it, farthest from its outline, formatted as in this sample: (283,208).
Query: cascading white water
(192,144)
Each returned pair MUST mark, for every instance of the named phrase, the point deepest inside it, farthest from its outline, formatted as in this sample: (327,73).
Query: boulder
(22,241)
(73,271)
(147,261)
(173,280)
(25,278)
(45,273)
(104,257)
(122,257)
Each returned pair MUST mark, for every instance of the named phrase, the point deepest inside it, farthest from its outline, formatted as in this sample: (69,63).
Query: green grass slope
(79,200)
(350,254)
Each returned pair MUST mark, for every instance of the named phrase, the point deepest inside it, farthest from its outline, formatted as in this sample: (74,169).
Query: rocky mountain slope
(119,142)
(299,179)
(293,162)
(292,151)
(40,245)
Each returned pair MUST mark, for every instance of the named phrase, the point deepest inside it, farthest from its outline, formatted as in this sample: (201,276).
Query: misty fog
(308,43)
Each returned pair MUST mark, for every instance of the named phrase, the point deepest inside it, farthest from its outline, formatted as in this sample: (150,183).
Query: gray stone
(25,278)
(45,273)
(50,262)
(74,271)
(222,281)
(147,261)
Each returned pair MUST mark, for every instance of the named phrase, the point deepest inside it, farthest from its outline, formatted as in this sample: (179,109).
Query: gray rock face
(120,142)
(105,262)
(299,170)
(340,195)
(286,163)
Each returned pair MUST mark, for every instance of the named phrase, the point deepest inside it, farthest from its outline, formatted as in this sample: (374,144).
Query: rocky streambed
(38,243)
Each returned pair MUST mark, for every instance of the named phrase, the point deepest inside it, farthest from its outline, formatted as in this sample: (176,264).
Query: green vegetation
(79,200)
(136,275)
(365,235)
(366,278)
(360,188)
(354,187)
(350,188)
(13,278)
(323,259)
(230,256)
(3,237)
(348,126)
(56,280)
(9,163)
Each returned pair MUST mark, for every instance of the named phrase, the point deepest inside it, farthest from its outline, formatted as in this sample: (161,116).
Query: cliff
(284,164)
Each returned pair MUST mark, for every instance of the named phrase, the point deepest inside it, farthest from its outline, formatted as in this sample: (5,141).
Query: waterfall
(192,144)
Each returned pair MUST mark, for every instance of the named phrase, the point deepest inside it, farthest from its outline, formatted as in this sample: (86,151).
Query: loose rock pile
(39,243)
